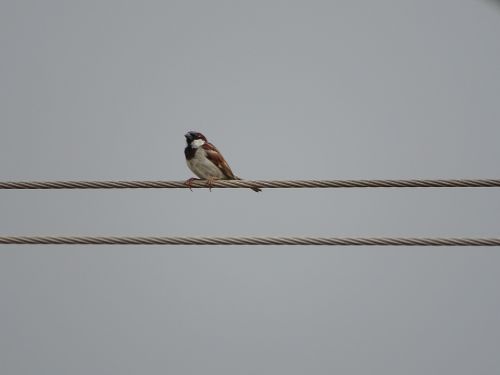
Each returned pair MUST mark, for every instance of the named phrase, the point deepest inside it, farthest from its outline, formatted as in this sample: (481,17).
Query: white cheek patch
(197,143)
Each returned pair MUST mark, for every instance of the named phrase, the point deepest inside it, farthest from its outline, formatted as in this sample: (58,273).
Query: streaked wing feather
(216,157)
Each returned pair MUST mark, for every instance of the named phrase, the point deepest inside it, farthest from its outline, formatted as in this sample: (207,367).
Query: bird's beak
(188,136)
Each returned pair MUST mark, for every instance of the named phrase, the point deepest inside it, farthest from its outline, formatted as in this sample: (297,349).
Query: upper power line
(267,184)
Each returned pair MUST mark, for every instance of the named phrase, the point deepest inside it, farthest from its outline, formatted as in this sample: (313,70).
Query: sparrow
(205,161)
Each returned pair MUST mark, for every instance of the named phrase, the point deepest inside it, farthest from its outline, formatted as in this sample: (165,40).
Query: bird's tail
(256,189)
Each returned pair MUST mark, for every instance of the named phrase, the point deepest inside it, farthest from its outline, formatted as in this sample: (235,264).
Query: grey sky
(285,89)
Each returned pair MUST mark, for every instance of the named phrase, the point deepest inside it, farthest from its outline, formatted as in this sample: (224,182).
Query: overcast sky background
(104,90)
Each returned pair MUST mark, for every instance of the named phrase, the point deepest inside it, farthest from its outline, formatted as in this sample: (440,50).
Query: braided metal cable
(303,241)
(268,184)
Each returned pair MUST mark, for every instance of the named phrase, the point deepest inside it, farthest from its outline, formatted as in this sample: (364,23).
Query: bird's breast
(202,166)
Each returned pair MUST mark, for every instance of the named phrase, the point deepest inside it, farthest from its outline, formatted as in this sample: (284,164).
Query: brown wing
(216,157)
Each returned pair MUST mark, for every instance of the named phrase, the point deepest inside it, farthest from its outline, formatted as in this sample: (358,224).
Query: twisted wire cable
(268,184)
(302,241)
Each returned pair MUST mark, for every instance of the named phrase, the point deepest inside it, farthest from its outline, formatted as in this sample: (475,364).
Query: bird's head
(195,139)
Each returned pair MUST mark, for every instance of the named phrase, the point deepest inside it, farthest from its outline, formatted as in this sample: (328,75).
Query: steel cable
(302,241)
(267,184)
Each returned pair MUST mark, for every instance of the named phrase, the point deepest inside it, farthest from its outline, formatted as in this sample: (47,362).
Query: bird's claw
(189,183)
(210,183)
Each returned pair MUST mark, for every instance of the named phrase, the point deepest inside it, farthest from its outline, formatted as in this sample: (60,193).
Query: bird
(205,161)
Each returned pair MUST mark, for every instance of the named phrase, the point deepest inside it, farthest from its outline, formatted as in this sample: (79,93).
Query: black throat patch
(189,152)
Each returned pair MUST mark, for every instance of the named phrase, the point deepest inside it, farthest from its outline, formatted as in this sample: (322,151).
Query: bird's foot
(210,182)
(189,182)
